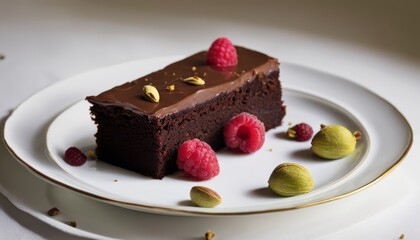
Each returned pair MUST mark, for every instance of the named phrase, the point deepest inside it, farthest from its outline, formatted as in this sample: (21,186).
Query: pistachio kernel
(204,197)
(197,81)
(170,88)
(151,94)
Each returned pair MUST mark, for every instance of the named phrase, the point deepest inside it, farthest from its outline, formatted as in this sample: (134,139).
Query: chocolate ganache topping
(184,95)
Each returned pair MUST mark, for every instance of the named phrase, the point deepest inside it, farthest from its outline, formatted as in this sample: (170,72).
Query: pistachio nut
(194,81)
(204,197)
(151,94)
(335,141)
(290,179)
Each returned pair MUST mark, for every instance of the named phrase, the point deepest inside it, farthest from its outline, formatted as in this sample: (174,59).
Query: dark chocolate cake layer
(144,137)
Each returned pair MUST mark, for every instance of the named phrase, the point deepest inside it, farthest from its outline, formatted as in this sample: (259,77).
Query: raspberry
(198,159)
(244,132)
(301,132)
(74,157)
(222,53)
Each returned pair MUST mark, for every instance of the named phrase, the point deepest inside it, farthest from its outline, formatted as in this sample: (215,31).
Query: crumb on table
(53,212)
(209,235)
(72,223)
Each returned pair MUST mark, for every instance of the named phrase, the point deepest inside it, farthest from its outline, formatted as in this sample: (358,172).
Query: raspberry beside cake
(144,136)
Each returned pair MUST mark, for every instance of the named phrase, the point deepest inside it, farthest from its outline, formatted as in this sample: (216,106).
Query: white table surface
(373,43)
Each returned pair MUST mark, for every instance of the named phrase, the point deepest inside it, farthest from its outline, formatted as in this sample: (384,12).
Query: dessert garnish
(197,159)
(222,53)
(335,141)
(301,132)
(197,81)
(204,197)
(151,94)
(290,179)
(244,132)
(170,88)
(74,156)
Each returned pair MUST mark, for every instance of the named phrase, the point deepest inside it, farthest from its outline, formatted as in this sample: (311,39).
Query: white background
(373,43)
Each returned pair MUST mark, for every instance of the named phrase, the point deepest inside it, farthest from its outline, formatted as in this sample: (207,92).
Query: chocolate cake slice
(144,136)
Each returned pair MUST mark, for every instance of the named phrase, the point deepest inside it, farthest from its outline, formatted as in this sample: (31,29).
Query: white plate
(311,96)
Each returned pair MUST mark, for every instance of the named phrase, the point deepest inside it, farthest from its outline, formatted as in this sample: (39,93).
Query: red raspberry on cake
(198,159)
(301,132)
(74,157)
(244,132)
(222,53)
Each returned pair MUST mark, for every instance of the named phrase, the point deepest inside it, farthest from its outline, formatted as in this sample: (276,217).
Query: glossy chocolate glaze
(130,94)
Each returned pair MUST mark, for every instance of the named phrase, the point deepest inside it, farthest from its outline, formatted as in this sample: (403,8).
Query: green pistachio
(204,197)
(195,81)
(290,179)
(333,142)
(151,94)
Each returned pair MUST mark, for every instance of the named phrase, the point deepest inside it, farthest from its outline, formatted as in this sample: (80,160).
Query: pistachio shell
(151,93)
(204,197)
(333,142)
(290,179)
(194,81)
